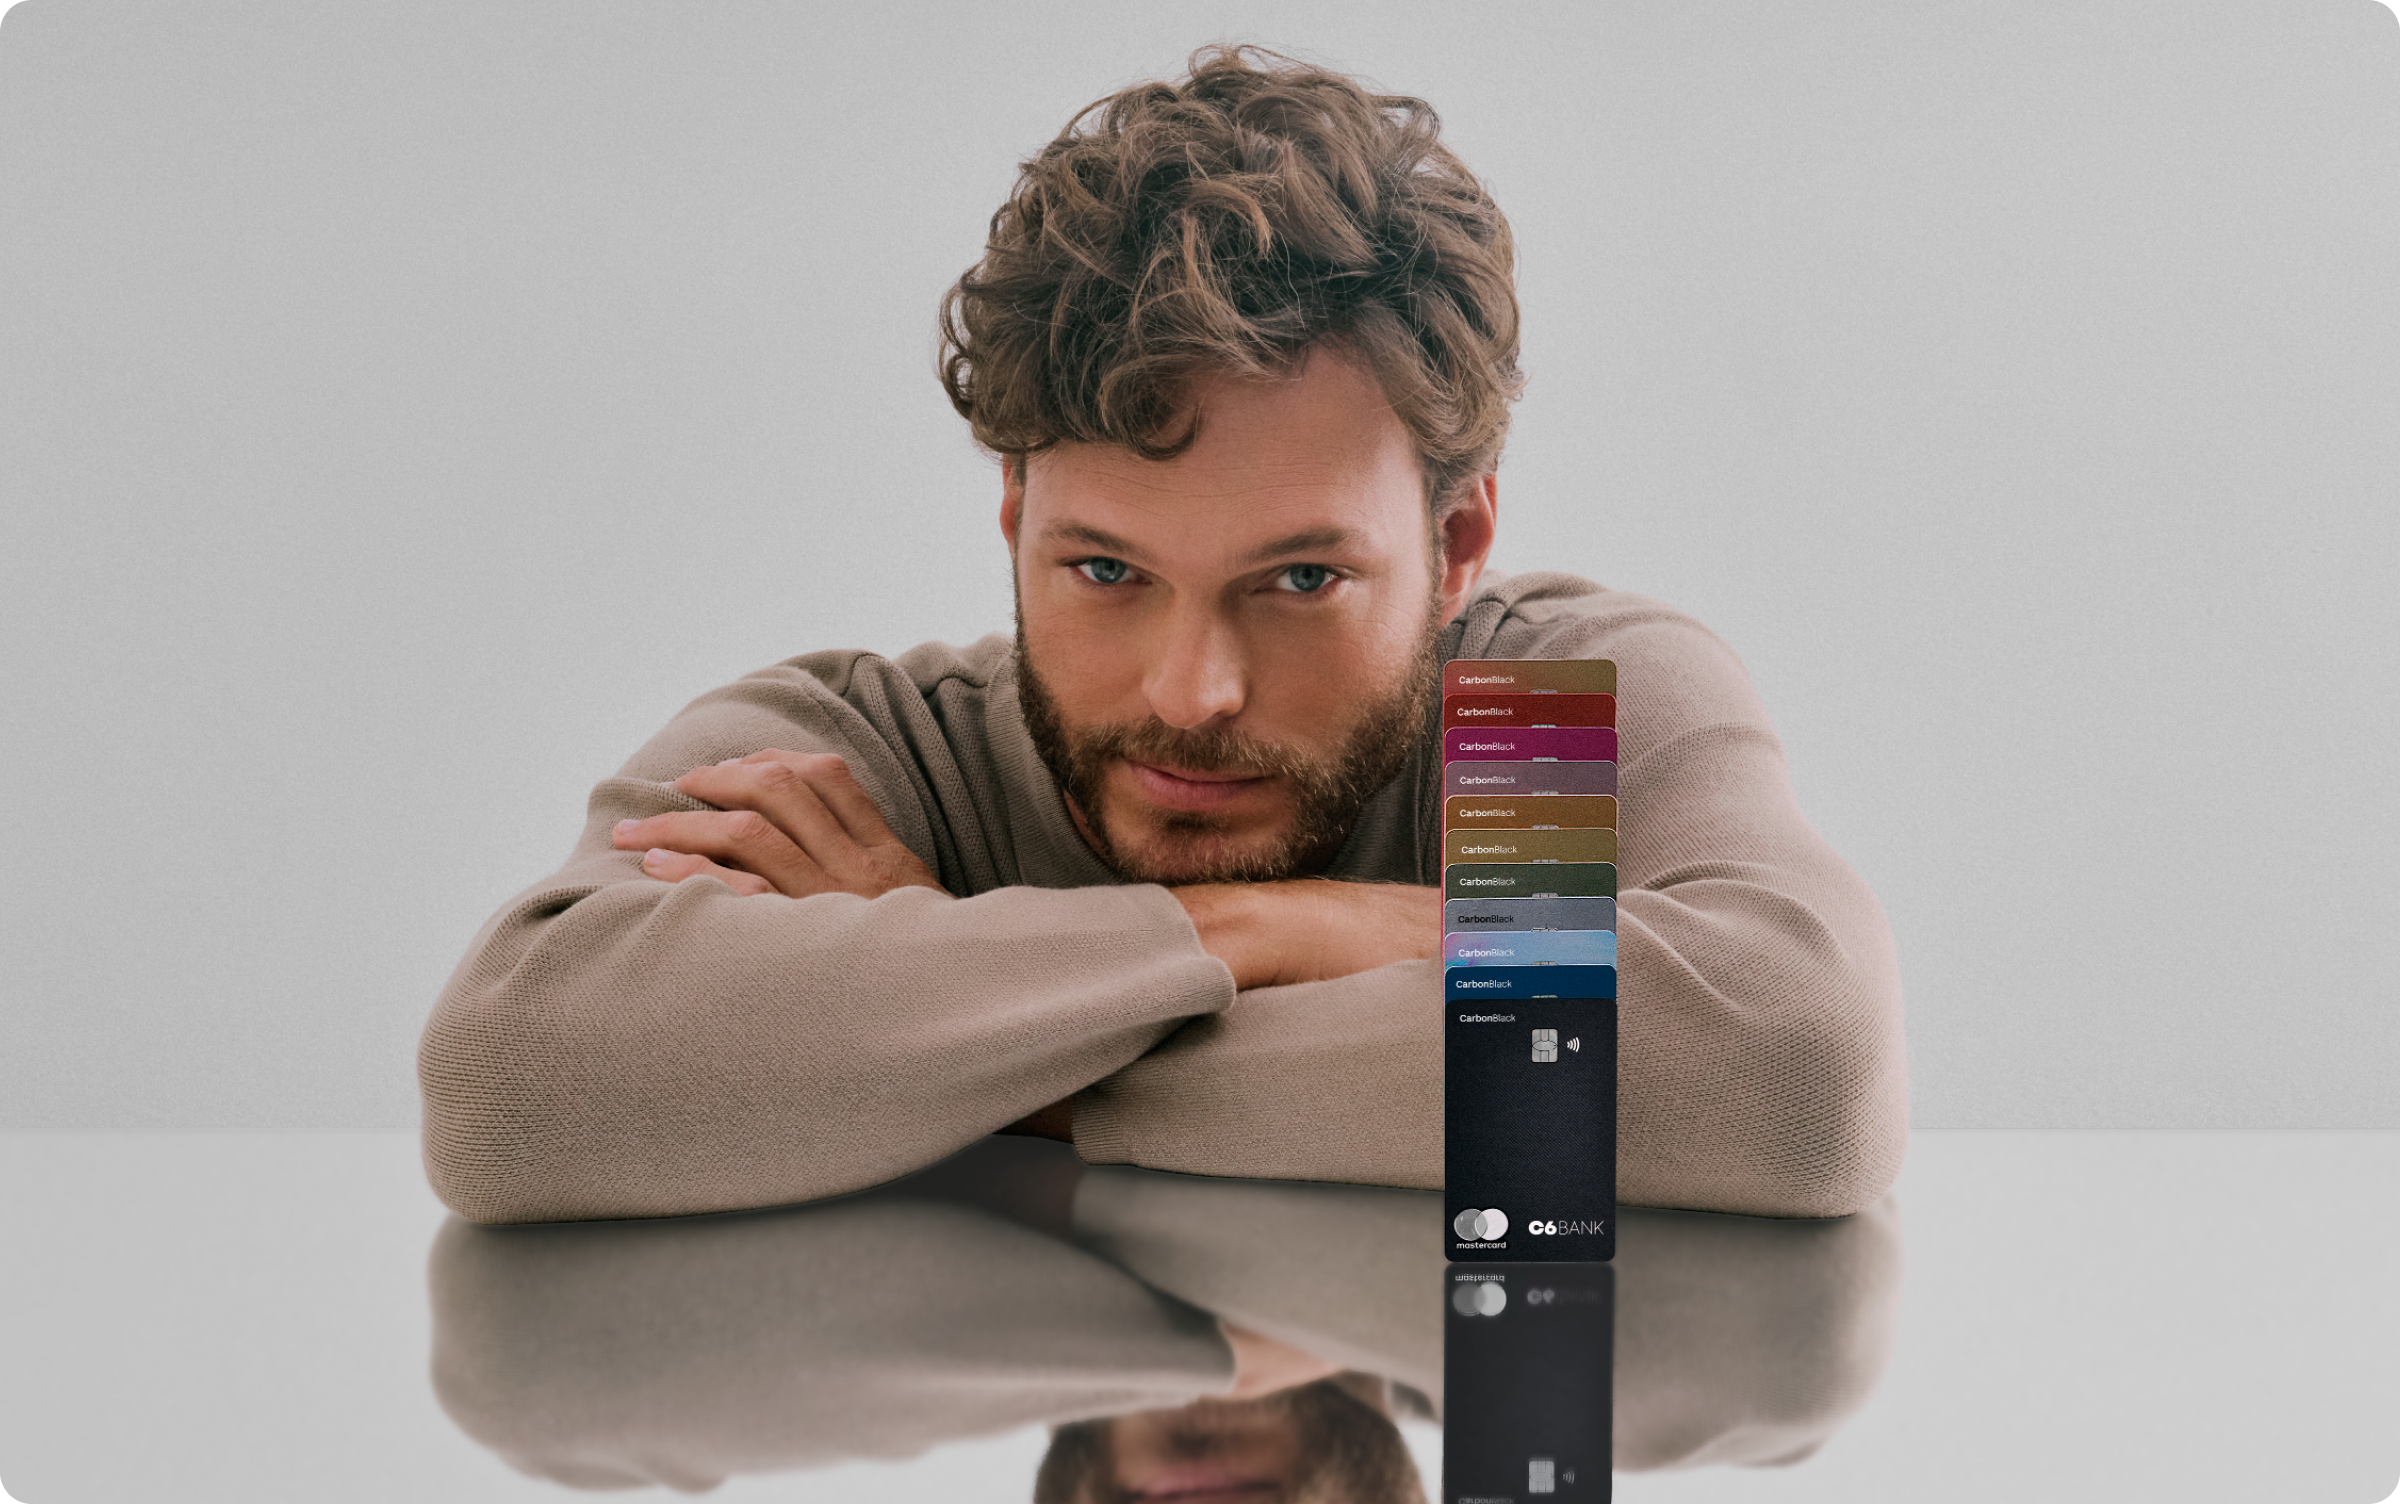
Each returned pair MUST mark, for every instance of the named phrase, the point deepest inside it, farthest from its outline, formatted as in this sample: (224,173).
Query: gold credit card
(1567,811)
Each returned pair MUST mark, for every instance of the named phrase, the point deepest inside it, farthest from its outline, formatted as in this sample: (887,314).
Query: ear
(1467,530)
(1012,497)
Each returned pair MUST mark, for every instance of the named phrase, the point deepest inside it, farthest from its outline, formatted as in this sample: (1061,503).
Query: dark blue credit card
(1493,983)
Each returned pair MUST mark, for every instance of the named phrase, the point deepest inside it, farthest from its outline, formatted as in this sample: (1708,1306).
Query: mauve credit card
(1468,777)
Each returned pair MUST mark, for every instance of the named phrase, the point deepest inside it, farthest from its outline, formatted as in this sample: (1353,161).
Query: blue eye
(1305,579)
(1105,571)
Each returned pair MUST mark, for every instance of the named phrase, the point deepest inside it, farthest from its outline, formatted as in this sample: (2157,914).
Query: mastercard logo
(1481,1226)
(1480,1299)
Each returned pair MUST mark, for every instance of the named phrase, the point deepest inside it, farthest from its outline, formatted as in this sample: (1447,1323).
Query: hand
(1311,930)
(794,823)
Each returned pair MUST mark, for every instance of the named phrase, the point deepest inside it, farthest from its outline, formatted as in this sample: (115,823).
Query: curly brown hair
(1224,224)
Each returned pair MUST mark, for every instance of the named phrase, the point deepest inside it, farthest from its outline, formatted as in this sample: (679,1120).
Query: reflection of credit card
(1529,846)
(1501,744)
(1517,676)
(1494,983)
(1529,778)
(1526,1391)
(1530,880)
(1529,710)
(1530,948)
(1568,811)
(1461,915)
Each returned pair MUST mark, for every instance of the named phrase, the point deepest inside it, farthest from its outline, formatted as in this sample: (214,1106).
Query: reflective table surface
(2031,1315)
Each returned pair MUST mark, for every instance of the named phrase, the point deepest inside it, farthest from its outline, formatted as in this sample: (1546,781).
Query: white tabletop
(2079,1315)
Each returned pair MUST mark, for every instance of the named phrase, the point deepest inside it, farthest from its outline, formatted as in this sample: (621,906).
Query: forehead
(1319,449)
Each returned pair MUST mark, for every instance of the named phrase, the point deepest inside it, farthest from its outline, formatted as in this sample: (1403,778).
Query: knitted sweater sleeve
(1760,1057)
(616,1046)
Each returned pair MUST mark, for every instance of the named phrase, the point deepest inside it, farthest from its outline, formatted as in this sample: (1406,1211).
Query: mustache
(1212,1425)
(1221,751)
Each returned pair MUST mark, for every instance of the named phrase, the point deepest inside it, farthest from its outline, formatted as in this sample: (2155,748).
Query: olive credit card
(1482,844)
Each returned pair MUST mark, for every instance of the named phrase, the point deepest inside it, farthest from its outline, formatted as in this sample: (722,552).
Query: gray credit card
(1461,915)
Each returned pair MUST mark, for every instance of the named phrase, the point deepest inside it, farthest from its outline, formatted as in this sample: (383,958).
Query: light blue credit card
(1531,948)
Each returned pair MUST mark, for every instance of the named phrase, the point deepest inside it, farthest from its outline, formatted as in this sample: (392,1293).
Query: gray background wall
(403,409)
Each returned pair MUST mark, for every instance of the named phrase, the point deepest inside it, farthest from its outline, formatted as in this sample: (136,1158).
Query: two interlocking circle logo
(1480,1299)
(1481,1226)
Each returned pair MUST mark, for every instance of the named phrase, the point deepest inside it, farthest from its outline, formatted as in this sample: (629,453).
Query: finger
(848,799)
(782,793)
(676,866)
(731,838)
(828,776)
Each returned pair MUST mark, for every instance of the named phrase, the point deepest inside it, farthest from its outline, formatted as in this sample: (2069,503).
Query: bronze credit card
(1517,676)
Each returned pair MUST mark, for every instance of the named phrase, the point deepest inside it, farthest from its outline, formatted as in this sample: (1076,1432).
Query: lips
(1192,791)
(1204,1483)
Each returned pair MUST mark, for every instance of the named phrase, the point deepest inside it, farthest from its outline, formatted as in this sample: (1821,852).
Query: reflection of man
(1157,876)
(1135,1313)
(1331,1440)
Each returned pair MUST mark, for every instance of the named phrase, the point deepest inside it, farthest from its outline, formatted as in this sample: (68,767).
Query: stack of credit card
(1529,957)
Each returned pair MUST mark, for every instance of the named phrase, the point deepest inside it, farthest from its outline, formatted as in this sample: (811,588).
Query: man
(1157,877)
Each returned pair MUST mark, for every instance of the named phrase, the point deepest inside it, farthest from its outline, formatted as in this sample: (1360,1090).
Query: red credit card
(1520,744)
(1529,710)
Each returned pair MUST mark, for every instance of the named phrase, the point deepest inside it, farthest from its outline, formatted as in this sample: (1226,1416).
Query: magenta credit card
(1498,744)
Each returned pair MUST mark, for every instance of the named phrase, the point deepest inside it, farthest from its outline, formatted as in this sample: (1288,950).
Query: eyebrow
(1314,540)
(1091,537)
(1311,540)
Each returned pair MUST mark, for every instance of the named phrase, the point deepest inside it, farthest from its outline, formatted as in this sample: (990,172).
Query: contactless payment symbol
(1484,1226)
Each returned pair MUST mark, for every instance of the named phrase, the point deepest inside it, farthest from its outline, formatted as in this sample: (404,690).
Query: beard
(1326,791)
(1350,1452)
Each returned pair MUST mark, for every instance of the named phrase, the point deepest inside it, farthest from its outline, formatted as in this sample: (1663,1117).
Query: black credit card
(1529,1105)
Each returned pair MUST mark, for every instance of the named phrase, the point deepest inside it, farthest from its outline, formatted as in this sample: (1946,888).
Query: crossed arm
(799,824)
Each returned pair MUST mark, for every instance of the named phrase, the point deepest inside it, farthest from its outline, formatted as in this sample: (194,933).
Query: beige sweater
(614,1046)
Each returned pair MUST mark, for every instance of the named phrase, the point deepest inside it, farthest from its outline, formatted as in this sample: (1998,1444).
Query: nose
(1196,676)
